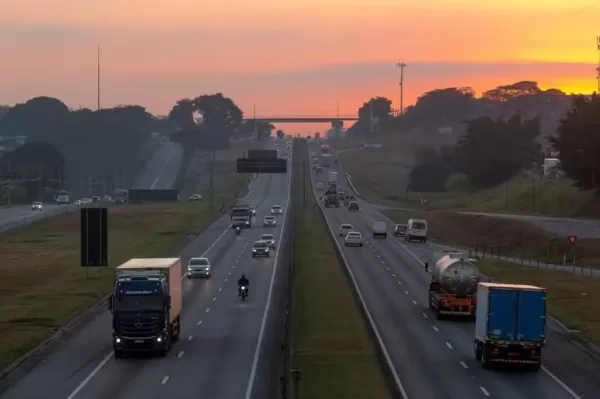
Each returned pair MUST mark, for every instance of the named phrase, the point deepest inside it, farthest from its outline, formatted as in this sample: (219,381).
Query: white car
(36,206)
(319,186)
(198,267)
(269,221)
(345,229)
(276,210)
(195,197)
(353,239)
(268,238)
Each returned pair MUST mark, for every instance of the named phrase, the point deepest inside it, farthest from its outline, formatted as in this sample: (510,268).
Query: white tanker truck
(453,286)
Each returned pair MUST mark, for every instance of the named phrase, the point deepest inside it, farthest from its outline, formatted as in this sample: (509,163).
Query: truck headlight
(118,340)
(159,339)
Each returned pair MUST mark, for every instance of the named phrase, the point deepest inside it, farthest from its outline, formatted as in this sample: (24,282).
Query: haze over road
(225,343)
(434,359)
(162,169)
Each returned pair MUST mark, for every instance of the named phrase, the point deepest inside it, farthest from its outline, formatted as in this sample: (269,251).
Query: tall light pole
(401,65)
(98,82)
(598,67)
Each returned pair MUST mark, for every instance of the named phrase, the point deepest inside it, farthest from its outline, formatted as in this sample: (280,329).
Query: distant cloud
(15,33)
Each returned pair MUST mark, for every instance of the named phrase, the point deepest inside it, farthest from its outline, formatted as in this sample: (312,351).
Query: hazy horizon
(298,58)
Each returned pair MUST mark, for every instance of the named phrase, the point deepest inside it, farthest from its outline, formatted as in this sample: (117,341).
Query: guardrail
(23,221)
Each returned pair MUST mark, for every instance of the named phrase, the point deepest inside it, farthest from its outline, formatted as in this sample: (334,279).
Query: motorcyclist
(237,230)
(243,282)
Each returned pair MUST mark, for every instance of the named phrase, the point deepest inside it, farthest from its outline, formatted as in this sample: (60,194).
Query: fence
(22,221)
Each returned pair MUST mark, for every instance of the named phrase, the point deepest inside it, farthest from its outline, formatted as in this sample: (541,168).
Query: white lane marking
(268,304)
(229,274)
(163,168)
(384,349)
(393,275)
(387,268)
(562,384)
(220,289)
(233,267)
(164,380)
(449,345)
(190,338)
(90,376)
(225,280)
(399,282)
(464,365)
(414,302)
(214,298)
(207,310)
(485,391)
(435,329)
(180,354)
(405,292)
(199,322)
(425,315)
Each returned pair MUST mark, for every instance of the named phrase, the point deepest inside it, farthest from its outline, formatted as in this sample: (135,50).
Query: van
(379,229)
(416,229)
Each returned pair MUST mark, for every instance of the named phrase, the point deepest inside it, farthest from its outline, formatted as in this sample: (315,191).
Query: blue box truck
(510,325)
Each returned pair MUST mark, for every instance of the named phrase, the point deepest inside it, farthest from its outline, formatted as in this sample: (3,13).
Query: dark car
(353,206)
(400,230)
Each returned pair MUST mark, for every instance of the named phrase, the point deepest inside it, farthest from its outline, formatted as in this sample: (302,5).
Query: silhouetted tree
(379,108)
(280,134)
(493,151)
(578,142)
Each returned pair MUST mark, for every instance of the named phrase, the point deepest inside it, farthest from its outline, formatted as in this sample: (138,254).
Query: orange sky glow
(289,58)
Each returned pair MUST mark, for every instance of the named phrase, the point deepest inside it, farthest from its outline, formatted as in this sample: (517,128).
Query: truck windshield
(139,295)
(240,212)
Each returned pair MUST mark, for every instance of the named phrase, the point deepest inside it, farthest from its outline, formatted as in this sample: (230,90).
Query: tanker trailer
(453,286)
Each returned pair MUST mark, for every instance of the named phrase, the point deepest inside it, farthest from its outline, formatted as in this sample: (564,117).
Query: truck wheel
(438,314)
(477,351)
(176,331)
(484,361)
(119,354)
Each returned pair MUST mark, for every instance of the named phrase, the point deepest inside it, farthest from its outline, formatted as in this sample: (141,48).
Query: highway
(431,358)
(226,345)
(162,169)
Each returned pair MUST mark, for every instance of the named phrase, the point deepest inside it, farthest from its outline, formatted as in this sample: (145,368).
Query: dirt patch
(492,236)
(574,300)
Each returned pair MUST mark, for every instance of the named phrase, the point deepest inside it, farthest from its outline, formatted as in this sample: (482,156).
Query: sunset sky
(294,57)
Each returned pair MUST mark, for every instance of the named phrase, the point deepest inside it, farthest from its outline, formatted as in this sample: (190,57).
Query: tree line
(88,152)
(506,130)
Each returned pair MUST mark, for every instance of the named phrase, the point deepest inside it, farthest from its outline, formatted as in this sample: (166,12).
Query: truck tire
(176,331)
(477,351)
(119,354)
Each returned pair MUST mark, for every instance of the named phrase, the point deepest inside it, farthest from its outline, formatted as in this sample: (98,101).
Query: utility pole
(598,67)
(98,82)
(254,121)
(401,65)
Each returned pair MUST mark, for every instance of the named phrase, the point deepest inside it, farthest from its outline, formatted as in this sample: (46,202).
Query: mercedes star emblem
(138,323)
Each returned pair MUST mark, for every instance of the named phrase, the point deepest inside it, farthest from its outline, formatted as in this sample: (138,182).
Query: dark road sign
(245,165)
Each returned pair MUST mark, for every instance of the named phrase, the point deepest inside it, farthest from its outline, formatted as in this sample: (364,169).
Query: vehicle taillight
(495,350)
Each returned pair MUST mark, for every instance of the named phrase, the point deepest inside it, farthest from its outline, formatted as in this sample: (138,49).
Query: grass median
(574,300)
(330,341)
(43,286)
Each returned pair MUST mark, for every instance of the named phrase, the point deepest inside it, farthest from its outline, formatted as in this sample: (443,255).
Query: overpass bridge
(301,119)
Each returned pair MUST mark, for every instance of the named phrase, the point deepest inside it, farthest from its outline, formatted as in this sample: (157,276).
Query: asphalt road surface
(434,359)
(162,169)
(583,228)
(225,343)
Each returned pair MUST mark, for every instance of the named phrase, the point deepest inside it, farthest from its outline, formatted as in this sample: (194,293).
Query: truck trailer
(453,286)
(146,305)
(241,216)
(510,326)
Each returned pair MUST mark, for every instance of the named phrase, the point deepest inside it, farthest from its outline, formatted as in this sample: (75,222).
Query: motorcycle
(244,292)
(238,230)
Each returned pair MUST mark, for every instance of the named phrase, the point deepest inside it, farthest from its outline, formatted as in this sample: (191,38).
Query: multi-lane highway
(162,169)
(226,344)
(434,359)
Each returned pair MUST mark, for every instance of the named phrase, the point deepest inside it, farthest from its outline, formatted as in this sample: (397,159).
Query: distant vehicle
(326,160)
(37,206)
(269,221)
(353,206)
(416,229)
(107,198)
(331,200)
(198,267)
(241,215)
(61,197)
(120,196)
(276,210)
(379,229)
(95,198)
(332,178)
(345,229)
(319,186)
(510,325)
(253,211)
(146,305)
(353,238)
(260,248)
(400,230)
(453,285)
(268,238)
(195,197)
(325,149)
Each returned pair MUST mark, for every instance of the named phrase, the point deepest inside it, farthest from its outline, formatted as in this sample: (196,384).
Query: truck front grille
(139,327)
